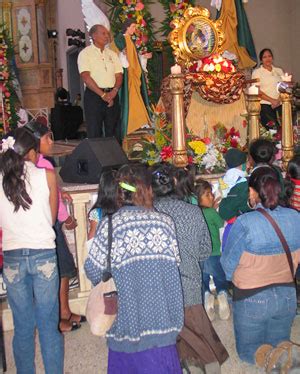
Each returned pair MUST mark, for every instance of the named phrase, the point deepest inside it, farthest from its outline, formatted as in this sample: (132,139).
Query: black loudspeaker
(90,158)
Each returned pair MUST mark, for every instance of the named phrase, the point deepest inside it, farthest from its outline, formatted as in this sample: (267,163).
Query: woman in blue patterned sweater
(145,269)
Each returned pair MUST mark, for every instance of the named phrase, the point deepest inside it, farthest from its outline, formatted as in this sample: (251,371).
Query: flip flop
(82,318)
(74,326)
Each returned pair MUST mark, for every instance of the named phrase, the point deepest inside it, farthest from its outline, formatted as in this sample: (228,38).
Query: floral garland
(121,10)
(213,64)
(206,154)
(8,116)
(173,10)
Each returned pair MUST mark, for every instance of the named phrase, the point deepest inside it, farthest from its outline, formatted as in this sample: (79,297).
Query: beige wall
(274,24)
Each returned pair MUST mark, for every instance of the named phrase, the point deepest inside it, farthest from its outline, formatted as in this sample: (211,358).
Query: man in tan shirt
(101,72)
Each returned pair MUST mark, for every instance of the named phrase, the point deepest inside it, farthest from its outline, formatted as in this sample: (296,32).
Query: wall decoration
(24,35)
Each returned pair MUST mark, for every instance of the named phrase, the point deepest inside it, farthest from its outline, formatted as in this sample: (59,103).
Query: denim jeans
(212,266)
(32,282)
(264,318)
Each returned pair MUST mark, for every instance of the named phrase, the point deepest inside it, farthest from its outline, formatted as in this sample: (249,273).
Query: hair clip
(127,187)
(7,143)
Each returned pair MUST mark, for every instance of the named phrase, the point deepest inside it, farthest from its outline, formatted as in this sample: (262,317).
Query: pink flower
(143,23)
(128,2)
(144,38)
(166,153)
(139,6)
(172,7)
(206,141)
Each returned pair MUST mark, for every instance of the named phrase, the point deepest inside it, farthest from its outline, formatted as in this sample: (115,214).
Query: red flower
(190,160)
(271,124)
(232,131)
(234,143)
(166,152)
(244,124)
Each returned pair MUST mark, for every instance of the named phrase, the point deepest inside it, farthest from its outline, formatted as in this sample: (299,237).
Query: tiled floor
(87,354)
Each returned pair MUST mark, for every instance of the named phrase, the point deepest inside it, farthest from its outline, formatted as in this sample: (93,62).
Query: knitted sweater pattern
(194,244)
(144,260)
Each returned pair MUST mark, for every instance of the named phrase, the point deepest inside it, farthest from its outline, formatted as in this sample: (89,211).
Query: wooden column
(253,108)
(287,129)
(180,158)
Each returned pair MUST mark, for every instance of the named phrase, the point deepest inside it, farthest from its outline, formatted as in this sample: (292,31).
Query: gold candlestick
(253,108)
(287,129)
(180,158)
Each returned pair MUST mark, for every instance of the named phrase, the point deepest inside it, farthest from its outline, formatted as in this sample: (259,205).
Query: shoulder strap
(107,273)
(281,237)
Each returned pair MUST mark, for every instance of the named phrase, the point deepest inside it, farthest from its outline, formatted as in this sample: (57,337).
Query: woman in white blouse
(269,77)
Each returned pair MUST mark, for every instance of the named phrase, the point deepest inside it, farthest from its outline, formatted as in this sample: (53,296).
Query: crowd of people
(171,259)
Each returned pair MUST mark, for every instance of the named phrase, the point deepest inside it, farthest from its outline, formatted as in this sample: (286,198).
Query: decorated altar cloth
(203,115)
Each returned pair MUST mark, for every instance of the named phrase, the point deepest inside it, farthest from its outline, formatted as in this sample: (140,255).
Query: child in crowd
(67,270)
(212,266)
(105,203)
(236,173)
(28,210)
(236,201)
(261,153)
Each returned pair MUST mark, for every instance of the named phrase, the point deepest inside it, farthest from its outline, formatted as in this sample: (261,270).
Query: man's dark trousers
(97,114)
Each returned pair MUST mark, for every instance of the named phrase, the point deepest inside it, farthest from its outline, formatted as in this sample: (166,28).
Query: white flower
(135,241)
(7,143)
(211,67)
(157,240)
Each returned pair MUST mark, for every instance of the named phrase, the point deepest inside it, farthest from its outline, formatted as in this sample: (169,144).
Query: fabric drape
(238,39)
(133,94)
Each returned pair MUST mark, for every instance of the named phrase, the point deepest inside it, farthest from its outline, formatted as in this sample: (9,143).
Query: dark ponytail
(12,168)
(265,181)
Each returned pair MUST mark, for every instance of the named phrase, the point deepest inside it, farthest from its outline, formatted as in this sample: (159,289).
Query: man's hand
(275,103)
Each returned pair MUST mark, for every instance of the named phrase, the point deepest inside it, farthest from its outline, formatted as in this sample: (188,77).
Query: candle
(286,78)
(176,69)
(253,90)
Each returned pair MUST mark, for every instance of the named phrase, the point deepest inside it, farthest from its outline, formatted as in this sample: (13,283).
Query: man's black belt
(107,89)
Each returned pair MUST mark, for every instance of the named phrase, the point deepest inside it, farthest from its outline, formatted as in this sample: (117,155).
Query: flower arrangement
(8,116)
(213,64)
(270,134)
(207,156)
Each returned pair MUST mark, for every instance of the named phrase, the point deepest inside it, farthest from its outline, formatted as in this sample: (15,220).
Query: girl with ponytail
(28,209)
(264,297)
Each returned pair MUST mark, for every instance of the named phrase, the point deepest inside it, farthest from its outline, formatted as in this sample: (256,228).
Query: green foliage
(8,119)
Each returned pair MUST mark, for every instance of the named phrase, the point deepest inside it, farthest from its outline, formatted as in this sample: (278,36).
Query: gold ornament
(195,36)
